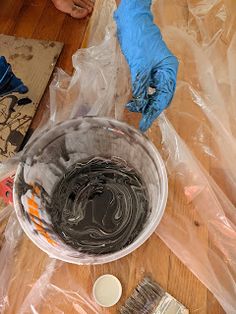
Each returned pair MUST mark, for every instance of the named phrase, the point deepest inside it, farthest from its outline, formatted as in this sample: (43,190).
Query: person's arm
(9,83)
(151,62)
(118,2)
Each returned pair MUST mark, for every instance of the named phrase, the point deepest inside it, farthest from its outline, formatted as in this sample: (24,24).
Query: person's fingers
(71,8)
(140,84)
(91,3)
(132,107)
(148,118)
(157,103)
(140,92)
(164,81)
(86,4)
(78,13)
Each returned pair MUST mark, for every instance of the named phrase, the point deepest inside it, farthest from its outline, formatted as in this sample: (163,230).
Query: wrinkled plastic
(196,138)
(96,82)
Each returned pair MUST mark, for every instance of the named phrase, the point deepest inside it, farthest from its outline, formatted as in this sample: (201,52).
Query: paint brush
(150,298)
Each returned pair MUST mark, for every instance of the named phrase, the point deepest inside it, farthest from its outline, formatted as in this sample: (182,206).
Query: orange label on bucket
(33,208)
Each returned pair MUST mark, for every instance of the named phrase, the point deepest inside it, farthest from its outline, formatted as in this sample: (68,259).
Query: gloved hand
(9,83)
(151,62)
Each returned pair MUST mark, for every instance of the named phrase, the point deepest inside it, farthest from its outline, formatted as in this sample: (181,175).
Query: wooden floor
(70,286)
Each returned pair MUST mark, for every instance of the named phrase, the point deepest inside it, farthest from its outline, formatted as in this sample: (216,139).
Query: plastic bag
(196,138)
(199,148)
(103,95)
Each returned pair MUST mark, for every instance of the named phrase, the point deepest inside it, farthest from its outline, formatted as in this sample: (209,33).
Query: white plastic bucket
(81,139)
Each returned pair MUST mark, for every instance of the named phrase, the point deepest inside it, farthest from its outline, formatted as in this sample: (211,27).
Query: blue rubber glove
(9,83)
(151,62)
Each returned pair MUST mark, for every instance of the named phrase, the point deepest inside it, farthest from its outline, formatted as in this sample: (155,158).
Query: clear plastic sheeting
(198,145)
(101,76)
(196,137)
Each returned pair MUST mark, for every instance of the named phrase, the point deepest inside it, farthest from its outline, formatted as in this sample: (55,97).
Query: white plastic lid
(107,290)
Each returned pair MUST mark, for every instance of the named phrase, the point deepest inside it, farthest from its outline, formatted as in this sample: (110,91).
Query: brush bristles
(144,299)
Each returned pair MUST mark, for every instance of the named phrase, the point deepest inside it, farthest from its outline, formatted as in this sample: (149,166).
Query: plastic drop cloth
(196,137)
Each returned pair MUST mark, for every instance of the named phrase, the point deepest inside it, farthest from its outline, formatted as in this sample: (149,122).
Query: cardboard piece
(32,61)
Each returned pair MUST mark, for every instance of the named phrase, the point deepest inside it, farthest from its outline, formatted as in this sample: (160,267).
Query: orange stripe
(32,203)
(34,212)
(37,190)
